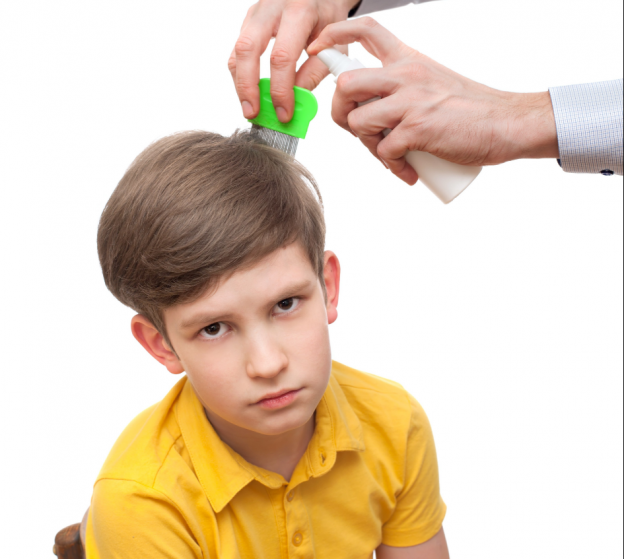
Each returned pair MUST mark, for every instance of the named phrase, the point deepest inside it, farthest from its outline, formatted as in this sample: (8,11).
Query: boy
(265,449)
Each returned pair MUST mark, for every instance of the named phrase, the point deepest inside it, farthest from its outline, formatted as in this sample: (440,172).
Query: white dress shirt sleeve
(370,6)
(589,127)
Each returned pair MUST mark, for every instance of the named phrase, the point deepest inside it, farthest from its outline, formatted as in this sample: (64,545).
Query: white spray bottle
(445,179)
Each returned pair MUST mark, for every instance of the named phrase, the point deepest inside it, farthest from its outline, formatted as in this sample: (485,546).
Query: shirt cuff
(589,127)
(370,6)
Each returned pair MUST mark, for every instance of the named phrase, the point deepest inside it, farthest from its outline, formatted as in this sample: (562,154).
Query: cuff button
(606,172)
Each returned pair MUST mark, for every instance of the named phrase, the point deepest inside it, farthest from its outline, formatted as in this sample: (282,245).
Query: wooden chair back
(69,542)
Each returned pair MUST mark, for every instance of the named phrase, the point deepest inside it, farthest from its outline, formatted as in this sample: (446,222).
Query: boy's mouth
(278,399)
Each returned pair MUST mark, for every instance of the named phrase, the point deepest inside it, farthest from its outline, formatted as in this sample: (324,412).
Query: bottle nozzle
(337,62)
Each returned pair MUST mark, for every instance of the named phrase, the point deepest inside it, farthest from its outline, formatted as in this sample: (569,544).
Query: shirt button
(290,496)
(607,172)
(297,539)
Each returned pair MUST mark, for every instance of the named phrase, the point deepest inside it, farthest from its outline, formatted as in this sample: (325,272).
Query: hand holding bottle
(431,108)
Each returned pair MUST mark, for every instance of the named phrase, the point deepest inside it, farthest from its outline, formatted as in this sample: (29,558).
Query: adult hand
(431,108)
(294,24)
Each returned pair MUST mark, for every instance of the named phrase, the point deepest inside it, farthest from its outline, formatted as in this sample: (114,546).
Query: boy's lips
(278,399)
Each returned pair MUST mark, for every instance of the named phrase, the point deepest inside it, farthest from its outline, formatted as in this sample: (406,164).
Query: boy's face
(256,349)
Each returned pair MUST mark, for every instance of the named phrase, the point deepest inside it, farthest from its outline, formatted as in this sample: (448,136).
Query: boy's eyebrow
(200,318)
(204,318)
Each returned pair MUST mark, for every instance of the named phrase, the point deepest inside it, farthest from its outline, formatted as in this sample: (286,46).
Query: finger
(232,65)
(311,73)
(403,172)
(369,135)
(392,150)
(375,38)
(341,109)
(295,29)
(251,43)
(359,86)
(402,169)
(371,142)
(232,58)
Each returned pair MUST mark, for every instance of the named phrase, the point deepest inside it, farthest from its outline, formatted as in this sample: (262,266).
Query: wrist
(535,126)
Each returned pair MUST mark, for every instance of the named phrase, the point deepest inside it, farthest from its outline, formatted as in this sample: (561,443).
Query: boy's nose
(265,358)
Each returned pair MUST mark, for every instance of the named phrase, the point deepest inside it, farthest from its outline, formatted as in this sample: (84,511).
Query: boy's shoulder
(384,404)
(353,379)
(143,446)
(389,418)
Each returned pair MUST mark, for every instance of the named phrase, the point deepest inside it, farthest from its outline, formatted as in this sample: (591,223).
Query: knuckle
(354,122)
(317,76)
(247,87)
(312,80)
(300,8)
(279,92)
(280,58)
(244,46)
(327,30)
(337,118)
(383,150)
(369,22)
(343,81)
(232,64)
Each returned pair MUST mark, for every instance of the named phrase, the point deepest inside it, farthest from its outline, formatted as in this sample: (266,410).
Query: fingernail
(247,109)
(281,114)
(384,163)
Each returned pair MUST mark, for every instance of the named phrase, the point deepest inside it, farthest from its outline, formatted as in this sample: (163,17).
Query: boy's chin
(280,426)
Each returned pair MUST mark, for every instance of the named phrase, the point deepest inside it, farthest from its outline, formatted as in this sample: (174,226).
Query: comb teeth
(283,142)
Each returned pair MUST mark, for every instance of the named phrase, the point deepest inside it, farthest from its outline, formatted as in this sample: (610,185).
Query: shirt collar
(223,472)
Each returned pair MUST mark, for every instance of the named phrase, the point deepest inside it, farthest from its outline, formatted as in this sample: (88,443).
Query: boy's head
(218,243)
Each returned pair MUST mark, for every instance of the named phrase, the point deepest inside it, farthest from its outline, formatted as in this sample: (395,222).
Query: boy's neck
(276,453)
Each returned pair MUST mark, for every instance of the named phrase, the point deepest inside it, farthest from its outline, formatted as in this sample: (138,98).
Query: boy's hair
(195,207)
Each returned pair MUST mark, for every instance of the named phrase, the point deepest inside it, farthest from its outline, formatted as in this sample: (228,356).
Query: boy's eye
(287,305)
(215,330)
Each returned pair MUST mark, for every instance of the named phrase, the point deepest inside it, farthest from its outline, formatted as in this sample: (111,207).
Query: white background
(501,313)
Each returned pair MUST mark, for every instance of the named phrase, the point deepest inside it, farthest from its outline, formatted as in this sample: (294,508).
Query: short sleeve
(420,510)
(128,520)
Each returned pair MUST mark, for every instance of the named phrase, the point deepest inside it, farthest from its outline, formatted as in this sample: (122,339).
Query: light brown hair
(197,206)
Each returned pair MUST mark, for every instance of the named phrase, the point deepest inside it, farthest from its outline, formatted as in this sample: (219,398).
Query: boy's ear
(154,343)
(331,272)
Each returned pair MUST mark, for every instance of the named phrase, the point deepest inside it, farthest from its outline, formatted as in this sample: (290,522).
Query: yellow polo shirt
(171,488)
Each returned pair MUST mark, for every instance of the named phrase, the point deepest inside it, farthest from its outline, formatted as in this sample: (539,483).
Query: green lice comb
(283,135)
